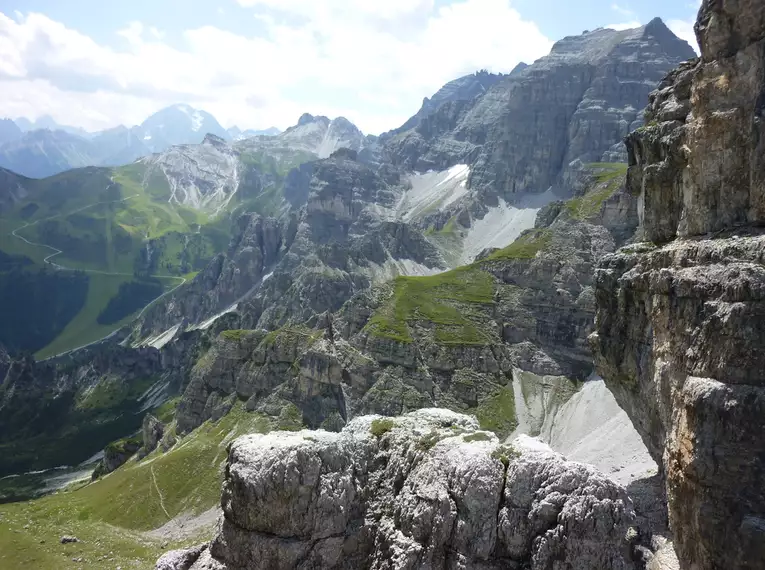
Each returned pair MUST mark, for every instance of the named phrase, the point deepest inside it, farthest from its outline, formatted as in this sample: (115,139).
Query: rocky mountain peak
(579,102)
(343,123)
(307,119)
(214,140)
(179,124)
(518,69)
(656,30)
(9,131)
(304,119)
(657,27)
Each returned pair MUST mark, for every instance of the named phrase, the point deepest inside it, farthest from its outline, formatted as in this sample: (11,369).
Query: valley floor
(128,518)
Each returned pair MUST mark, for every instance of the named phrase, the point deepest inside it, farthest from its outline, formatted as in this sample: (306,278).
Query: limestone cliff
(426,490)
(679,329)
(577,103)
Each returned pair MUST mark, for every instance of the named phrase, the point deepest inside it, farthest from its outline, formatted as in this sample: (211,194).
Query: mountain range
(44,148)
(317,277)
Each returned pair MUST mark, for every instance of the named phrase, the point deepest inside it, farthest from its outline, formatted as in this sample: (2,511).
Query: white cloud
(370,61)
(624,25)
(684,28)
(622,10)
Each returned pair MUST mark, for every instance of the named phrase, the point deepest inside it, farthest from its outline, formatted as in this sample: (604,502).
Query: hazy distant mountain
(119,145)
(9,131)
(179,124)
(43,152)
(47,122)
(43,147)
(237,134)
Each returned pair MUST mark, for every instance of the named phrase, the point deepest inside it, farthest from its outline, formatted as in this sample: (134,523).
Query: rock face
(426,490)
(255,247)
(202,176)
(319,135)
(679,331)
(576,103)
(152,431)
(504,334)
(464,88)
(336,240)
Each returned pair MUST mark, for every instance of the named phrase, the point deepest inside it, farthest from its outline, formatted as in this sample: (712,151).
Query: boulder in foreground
(424,490)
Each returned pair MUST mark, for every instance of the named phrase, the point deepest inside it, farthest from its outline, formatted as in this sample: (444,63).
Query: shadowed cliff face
(680,328)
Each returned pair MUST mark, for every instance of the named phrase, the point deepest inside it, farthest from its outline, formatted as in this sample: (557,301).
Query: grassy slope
(451,302)
(110,514)
(454,303)
(608,177)
(446,300)
(84,328)
(64,211)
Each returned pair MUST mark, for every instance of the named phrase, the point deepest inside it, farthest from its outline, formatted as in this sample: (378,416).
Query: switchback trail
(57,251)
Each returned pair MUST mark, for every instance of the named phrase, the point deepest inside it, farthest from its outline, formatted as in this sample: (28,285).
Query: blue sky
(257,63)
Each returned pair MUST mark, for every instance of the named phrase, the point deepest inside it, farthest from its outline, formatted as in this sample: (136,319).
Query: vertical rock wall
(680,330)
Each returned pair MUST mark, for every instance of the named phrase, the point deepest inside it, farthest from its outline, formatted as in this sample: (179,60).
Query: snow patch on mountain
(502,225)
(206,324)
(160,340)
(433,191)
(196,121)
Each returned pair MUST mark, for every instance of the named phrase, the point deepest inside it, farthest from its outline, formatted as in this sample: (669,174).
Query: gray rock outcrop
(426,490)
(679,329)
(152,431)
(257,243)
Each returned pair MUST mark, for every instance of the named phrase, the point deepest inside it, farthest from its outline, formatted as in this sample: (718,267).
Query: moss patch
(443,300)
(505,454)
(234,335)
(477,436)
(381,426)
(497,412)
(297,333)
(429,440)
(525,247)
(609,177)
(290,418)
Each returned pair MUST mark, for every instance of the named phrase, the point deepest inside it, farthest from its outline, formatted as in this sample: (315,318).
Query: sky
(262,63)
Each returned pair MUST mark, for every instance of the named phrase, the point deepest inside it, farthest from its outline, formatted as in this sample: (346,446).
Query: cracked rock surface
(424,490)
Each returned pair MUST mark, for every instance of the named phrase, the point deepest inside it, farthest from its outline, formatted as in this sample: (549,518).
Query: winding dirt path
(159,493)
(57,251)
